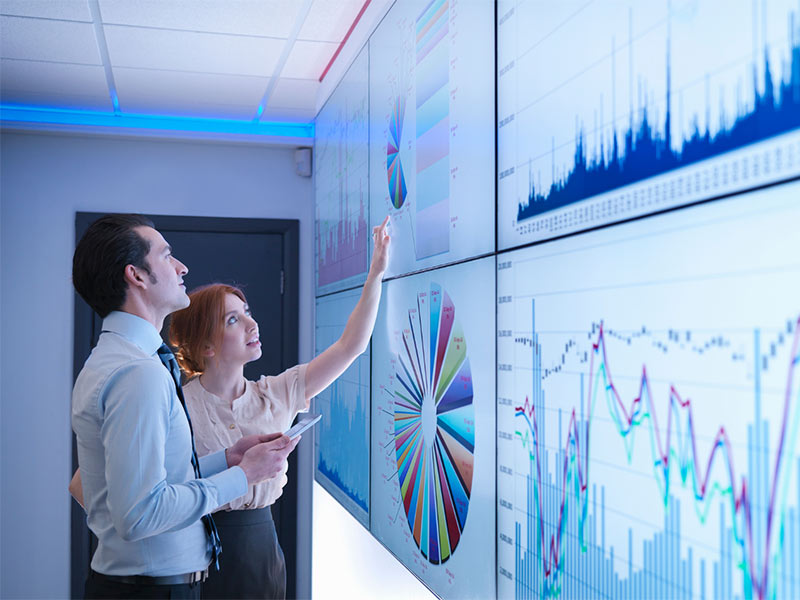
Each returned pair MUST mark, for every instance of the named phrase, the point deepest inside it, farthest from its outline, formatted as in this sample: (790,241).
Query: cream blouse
(266,406)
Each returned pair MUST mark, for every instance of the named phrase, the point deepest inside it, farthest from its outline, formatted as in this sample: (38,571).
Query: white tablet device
(301,426)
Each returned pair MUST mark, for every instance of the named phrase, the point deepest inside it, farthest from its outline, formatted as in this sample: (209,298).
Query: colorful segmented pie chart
(394,168)
(434,423)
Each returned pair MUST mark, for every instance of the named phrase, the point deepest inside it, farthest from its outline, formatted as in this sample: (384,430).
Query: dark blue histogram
(342,439)
(648,148)
(662,104)
(339,453)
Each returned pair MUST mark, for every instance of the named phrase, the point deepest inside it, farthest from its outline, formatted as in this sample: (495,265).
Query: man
(146,495)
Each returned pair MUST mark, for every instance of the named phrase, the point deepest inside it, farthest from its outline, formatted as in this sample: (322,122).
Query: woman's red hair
(199,325)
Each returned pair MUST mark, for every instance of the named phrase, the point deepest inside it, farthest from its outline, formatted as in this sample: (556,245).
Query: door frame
(84,335)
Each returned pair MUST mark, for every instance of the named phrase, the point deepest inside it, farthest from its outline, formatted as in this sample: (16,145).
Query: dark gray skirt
(251,563)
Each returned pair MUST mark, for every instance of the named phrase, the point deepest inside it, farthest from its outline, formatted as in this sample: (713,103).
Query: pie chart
(394,168)
(434,424)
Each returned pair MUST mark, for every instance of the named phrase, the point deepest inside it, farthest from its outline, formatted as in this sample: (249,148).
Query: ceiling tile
(329,20)
(307,60)
(42,39)
(288,115)
(189,51)
(266,18)
(59,78)
(55,85)
(294,93)
(174,89)
(68,10)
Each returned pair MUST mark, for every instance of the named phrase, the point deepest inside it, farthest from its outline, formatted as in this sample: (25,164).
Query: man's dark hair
(98,265)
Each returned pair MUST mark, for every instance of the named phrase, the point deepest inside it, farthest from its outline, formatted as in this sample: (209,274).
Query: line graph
(342,439)
(649,416)
(341,176)
(674,112)
(684,451)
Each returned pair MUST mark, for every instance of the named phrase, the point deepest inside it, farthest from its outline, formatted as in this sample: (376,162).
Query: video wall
(584,379)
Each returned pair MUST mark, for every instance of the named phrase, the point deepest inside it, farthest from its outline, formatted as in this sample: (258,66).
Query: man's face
(165,291)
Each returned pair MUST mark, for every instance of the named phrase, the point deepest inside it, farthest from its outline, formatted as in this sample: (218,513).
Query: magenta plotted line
(758,574)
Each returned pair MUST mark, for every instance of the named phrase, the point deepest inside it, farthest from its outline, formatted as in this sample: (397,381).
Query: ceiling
(251,60)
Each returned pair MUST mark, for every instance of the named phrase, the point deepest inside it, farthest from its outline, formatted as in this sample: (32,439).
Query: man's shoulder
(112,349)
(116,362)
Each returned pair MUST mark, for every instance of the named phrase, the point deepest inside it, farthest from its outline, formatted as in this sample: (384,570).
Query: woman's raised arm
(332,362)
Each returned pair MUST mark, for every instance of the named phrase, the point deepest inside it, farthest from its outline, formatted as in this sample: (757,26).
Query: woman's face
(240,343)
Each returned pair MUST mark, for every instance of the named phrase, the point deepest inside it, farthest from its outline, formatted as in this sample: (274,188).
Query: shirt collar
(135,329)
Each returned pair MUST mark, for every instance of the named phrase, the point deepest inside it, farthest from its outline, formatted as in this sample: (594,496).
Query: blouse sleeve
(288,388)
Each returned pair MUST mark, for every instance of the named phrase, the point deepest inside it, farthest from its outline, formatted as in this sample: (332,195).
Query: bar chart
(648,412)
(341,177)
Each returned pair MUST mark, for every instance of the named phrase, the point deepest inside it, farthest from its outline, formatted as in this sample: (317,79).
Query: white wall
(44,180)
(349,563)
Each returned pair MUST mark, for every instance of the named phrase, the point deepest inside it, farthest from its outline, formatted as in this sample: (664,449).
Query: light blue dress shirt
(134,451)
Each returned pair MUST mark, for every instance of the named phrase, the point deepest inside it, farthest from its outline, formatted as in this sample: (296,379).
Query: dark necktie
(166,356)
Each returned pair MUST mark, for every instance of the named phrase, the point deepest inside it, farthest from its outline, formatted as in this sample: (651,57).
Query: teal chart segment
(431,97)
(433,427)
(341,183)
(394,167)
(649,407)
(677,102)
(342,438)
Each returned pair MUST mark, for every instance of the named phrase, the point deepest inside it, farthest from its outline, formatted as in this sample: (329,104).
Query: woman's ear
(208,351)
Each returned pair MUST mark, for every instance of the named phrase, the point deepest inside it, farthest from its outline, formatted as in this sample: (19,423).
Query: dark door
(261,257)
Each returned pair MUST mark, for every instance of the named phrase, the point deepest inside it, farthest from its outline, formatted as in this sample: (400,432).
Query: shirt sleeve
(300,402)
(136,405)
(214,463)
(288,387)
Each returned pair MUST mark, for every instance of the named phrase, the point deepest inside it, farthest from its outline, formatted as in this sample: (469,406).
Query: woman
(214,338)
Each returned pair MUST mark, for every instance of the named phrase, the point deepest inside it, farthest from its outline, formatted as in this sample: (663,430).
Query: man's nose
(181,268)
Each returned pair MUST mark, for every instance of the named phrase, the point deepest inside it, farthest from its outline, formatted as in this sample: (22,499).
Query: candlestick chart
(677,102)
(649,408)
(342,437)
(341,178)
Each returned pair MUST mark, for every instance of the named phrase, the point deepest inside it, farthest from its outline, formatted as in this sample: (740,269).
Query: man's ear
(134,276)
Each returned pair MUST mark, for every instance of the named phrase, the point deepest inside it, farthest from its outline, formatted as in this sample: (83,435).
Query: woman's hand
(380,249)
(234,454)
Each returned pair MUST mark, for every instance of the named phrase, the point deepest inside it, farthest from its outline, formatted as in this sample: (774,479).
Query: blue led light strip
(57,116)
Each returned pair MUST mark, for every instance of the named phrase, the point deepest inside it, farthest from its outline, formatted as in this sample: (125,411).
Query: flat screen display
(648,407)
(341,182)
(431,89)
(342,437)
(611,110)
(433,427)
